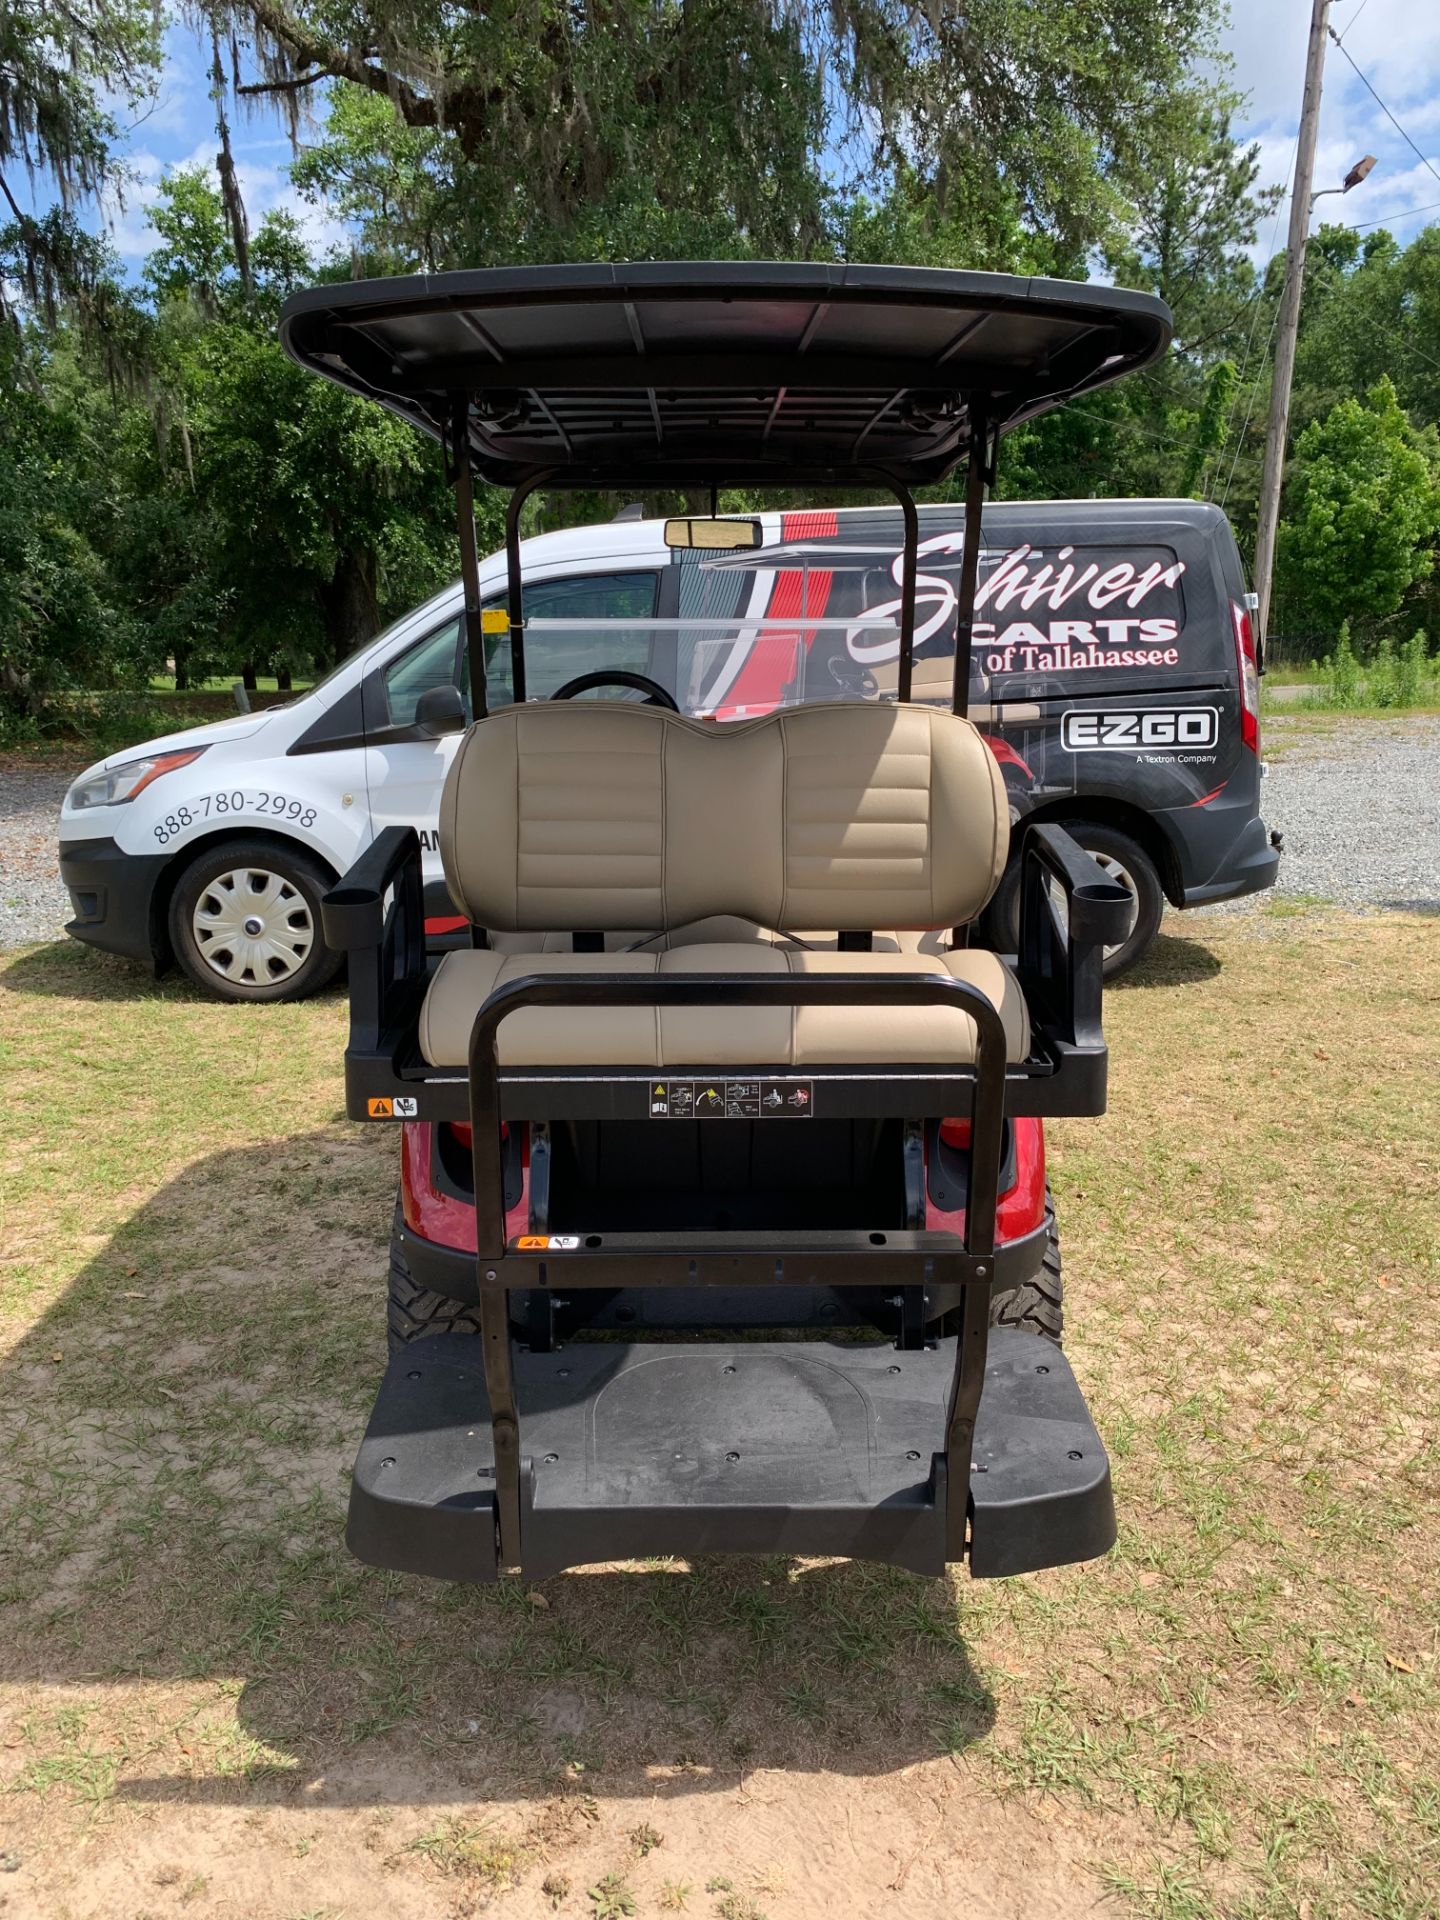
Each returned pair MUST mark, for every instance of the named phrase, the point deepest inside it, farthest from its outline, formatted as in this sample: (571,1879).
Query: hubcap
(252,927)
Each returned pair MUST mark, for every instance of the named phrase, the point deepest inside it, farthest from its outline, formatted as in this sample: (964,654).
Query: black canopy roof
(657,373)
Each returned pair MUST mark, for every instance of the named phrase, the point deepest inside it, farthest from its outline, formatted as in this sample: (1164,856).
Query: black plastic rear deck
(630,1449)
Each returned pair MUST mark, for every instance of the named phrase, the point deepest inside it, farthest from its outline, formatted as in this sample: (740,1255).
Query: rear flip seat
(605,816)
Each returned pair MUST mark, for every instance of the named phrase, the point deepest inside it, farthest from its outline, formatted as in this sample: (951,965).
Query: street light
(1360,171)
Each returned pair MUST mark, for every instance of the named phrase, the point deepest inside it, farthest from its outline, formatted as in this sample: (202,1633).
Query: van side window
(432,662)
(553,656)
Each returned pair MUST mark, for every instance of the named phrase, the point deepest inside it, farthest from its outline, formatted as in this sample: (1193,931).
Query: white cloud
(1396,44)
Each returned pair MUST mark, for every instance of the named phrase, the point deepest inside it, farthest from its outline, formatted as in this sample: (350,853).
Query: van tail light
(956,1133)
(1249,667)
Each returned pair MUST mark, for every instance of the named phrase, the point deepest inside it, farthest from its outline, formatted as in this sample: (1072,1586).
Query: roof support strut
(979,472)
(514,577)
(469,558)
(908,562)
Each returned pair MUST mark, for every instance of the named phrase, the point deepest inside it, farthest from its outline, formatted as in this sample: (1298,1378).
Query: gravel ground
(33,904)
(1359,807)
(1358,803)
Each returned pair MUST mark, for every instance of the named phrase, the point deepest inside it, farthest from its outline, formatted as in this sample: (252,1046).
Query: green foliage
(1362,509)
(61,67)
(1343,671)
(229,514)
(59,626)
(774,128)
(241,515)
(1411,668)
(1392,677)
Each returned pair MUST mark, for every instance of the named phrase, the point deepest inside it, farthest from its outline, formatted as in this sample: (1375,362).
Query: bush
(1342,672)
(1410,670)
(1392,679)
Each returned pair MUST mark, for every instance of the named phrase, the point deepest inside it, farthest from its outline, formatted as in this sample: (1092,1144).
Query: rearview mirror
(715,536)
(440,710)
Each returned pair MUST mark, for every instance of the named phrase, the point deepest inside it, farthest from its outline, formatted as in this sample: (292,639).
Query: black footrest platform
(636,1449)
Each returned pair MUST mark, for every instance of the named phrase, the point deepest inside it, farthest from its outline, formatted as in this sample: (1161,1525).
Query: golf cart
(725,1234)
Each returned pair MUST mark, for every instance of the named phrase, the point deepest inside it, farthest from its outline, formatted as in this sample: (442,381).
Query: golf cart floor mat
(642,1448)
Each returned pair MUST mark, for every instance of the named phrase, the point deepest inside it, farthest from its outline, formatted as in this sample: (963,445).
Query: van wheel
(245,922)
(1038,1305)
(1122,859)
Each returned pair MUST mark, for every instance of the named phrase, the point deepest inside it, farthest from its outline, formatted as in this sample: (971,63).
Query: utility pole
(1289,320)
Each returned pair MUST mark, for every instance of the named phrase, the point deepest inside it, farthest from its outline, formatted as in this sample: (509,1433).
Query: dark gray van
(1114,672)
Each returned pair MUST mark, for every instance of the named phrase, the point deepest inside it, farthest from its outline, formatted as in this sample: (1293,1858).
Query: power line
(1353,18)
(1245,423)
(1397,213)
(1422,158)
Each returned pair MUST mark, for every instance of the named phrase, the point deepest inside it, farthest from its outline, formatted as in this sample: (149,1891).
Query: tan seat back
(600,815)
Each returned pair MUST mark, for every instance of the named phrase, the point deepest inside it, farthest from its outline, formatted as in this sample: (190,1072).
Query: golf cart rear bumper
(631,1450)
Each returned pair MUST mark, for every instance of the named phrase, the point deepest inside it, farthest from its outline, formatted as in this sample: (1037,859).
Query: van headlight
(113,784)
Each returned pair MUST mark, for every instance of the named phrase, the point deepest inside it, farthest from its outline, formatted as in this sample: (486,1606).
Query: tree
(1362,509)
(61,625)
(316,512)
(594,129)
(58,64)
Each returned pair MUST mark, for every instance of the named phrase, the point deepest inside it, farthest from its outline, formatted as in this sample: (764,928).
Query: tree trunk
(349,604)
(182,671)
(282,680)
(249,678)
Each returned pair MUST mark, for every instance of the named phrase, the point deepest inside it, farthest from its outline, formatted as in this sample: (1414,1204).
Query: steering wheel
(851,677)
(655,694)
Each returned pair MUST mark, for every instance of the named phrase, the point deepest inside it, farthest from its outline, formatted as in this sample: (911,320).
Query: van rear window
(1093,613)
(1078,609)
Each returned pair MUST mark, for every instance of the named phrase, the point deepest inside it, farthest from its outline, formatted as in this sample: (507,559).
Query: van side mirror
(440,710)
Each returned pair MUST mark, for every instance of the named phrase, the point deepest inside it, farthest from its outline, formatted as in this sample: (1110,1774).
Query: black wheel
(245,922)
(1038,1306)
(1123,859)
(414,1312)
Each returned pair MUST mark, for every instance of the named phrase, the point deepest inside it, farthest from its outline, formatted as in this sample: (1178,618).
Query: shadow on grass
(1171,960)
(69,970)
(179,1429)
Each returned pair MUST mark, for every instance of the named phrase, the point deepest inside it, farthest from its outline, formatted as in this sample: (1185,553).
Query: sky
(1396,44)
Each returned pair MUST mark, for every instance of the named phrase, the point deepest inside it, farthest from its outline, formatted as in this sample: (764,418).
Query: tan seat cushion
(723,1036)
(604,815)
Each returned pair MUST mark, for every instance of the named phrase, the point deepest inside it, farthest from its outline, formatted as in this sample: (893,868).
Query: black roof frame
(701,373)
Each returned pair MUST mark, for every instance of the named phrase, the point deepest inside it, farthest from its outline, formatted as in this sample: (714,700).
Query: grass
(1236,1714)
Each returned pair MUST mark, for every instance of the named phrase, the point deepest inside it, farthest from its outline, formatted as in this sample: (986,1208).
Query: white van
(213,847)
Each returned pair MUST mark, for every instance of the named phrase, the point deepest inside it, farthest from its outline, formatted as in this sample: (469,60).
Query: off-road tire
(414,1312)
(1038,1305)
(293,865)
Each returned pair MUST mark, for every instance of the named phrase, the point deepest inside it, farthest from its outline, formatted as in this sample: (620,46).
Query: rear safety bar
(858,1258)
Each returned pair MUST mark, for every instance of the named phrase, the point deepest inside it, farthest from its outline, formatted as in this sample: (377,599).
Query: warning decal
(380,1109)
(731,1099)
